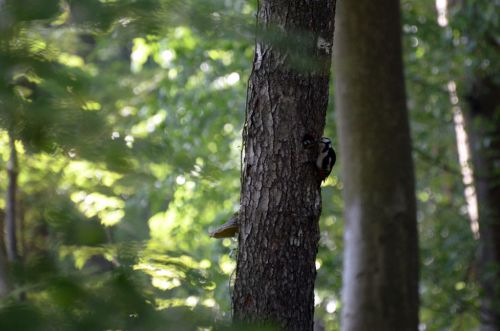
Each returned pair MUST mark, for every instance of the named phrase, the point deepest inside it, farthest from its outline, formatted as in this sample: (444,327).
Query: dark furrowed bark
(483,126)
(280,196)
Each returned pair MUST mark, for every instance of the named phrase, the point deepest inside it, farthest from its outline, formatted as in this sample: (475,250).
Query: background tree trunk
(380,277)
(280,195)
(10,214)
(4,281)
(483,125)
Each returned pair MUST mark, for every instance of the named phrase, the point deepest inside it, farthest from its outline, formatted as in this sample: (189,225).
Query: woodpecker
(326,154)
(326,158)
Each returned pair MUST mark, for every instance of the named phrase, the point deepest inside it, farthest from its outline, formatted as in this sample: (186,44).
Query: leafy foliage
(127,116)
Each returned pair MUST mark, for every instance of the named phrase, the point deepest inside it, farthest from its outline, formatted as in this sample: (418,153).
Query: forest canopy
(122,122)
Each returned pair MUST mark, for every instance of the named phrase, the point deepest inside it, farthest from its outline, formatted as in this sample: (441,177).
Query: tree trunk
(380,277)
(280,195)
(10,214)
(4,281)
(483,124)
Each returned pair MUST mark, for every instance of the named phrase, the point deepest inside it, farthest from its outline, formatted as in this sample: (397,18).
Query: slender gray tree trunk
(280,195)
(483,125)
(380,277)
(4,281)
(10,214)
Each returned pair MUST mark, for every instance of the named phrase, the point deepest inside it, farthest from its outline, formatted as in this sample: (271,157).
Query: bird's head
(325,141)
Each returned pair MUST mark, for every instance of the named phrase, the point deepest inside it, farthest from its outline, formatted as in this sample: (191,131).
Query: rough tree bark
(380,278)
(483,126)
(280,195)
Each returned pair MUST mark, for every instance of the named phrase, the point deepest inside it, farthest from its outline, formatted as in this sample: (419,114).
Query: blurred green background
(127,117)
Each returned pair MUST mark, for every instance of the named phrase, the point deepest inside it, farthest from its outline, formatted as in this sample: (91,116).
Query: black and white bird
(326,157)
(326,154)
